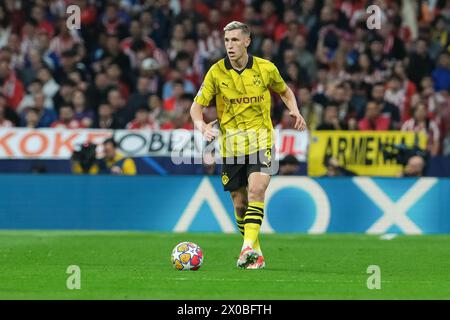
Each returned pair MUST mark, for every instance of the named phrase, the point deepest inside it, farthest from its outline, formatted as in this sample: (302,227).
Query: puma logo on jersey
(225,84)
(267,164)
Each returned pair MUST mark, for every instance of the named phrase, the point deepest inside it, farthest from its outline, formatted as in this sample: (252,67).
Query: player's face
(236,43)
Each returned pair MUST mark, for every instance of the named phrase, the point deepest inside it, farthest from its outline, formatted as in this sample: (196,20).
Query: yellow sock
(240,225)
(252,223)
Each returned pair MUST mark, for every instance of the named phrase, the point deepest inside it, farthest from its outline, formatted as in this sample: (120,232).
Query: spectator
(183,64)
(286,123)
(330,119)
(113,54)
(420,63)
(257,28)
(157,112)
(137,41)
(268,49)
(150,69)
(441,74)
(304,58)
(4,123)
(5,27)
(9,113)
(142,120)
(68,63)
(140,96)
(409,87)
(341,96)
(295,76)
(179,116)
(387,109)
(10,85)
(122,115)
(82,113)
(66,119)
(373,119)
(395,94)
(105,119)
(269,16)
(308,15)
(422,123)
(289,165)
(49,57)
(111,21)
(38,14)
(377,56)
(77,77)
(210,46)
(116,79)
(49,86)
(177,40)
(98,92)
(446,145)
(172,102)
(32,117)
(28,101)
(439,36)
(311,111)
(65,39)
(46,116)
(33,64)
(64,94)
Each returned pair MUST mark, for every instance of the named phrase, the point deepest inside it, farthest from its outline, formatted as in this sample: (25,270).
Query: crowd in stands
(137,64)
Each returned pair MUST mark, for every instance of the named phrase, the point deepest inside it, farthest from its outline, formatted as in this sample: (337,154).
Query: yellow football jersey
(243,103)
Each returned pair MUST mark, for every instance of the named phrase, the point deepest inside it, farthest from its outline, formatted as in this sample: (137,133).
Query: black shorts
(236,170)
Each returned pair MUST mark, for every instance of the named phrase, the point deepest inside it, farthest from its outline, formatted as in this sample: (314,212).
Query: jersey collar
(248,66)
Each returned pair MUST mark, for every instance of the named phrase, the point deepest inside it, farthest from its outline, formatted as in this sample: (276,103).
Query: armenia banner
(369,153)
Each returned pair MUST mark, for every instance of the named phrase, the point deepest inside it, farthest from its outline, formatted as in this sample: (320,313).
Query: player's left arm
(278,85)
(289,100)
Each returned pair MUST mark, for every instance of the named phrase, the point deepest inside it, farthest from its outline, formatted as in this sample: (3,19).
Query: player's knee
(256,192)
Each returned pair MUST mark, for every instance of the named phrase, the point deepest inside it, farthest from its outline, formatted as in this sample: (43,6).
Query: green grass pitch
(136,265)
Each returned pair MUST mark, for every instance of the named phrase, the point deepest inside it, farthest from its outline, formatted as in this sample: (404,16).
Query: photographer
(113,162)
(413,159)
(334,170)
(414,167)
(84,161)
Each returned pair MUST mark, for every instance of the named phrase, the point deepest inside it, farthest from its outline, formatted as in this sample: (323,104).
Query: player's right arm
(205,128)
(204,96)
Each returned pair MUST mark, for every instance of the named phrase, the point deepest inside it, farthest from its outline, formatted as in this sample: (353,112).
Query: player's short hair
(236,25)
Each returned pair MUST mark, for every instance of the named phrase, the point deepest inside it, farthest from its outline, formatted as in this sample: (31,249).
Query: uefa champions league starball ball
(187,256)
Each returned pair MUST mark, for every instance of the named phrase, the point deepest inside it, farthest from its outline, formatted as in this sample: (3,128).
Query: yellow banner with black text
(370,153)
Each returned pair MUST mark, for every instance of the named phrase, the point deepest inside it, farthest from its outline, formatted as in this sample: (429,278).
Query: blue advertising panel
(198,203)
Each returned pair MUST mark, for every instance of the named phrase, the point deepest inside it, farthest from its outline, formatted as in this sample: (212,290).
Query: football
(187,256)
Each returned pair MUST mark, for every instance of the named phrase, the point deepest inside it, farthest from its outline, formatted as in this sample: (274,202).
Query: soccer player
(240,84)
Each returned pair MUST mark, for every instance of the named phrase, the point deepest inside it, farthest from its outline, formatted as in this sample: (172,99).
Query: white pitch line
(388,236)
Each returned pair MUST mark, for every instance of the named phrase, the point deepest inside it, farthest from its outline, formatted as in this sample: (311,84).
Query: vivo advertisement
(188,203)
